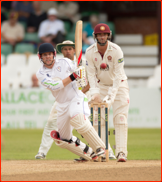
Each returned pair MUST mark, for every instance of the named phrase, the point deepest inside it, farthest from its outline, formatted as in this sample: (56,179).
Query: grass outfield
(23,144)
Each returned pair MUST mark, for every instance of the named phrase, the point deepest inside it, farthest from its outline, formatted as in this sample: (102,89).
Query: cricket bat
(78,41)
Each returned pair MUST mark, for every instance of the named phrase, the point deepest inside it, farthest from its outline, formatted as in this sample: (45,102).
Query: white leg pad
(121,134)
(70,146)
(85,128)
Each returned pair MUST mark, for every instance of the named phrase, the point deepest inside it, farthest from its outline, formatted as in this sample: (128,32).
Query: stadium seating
(5,83)
(6,49)
(155,80)
(140,61)
(2,59)
(67,27)
(24,24)
(111,26)
(140,50)
(31,37)
(139,72)
(70,36)
(16,60)
(25,75)
(24,48)
(33,63)
(129,39)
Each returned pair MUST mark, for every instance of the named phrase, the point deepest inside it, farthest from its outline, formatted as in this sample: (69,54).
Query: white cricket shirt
(52,79)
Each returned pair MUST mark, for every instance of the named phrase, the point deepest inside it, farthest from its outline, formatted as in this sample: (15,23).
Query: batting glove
(82,83)
(78,74)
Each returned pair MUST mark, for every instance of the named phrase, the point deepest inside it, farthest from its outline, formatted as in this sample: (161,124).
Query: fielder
(59,76)
(67,48)
(106,64)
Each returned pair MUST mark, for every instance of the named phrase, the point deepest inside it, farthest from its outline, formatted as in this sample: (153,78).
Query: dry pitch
(55,170)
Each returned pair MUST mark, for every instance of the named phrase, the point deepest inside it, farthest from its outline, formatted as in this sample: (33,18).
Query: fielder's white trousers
(120,108)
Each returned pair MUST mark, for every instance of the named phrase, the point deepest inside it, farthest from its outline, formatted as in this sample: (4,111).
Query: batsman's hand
(79,73)
(82,83)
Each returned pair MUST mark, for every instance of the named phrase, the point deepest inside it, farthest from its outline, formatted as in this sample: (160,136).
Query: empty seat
(4,83)
(131,39)
(6,49)
(14,83)
(2,59)
(25,75)
(16,60)
(155,80)
(140,50)
(24,24)
(31,37)
(140,61)
(8,72)
(67,26)
(70,36)
(34,63)
(139,72)
(24,48)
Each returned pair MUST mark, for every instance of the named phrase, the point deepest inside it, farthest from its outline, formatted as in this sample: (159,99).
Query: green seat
(24,48)
(24,24)
(32,37)
(6,49)
(84,25)
(67,26)
(73,28)
(70,36)
(6,13)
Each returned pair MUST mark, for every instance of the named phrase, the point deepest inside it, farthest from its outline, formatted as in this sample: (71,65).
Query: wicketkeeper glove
(95,94)
(109,99)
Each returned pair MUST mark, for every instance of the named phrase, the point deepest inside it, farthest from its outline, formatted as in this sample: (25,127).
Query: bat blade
(78,41)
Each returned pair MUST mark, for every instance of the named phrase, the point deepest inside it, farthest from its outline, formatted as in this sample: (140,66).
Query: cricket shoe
(93,156)
(111,154)
(40,156)
(121,157)
(81,159)
(100,152)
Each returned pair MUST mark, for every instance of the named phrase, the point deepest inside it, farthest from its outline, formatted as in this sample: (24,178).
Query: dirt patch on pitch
(55,170)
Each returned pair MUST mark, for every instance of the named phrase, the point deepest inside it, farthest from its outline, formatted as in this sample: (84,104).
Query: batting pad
(84,127)
(69,146)
(121,132)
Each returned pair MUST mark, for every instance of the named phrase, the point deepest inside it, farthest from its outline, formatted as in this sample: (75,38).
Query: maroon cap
(101,28)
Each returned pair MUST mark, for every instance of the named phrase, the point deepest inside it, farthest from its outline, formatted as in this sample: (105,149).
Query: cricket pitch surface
(58,170)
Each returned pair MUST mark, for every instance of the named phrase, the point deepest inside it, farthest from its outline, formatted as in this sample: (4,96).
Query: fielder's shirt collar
(108,47)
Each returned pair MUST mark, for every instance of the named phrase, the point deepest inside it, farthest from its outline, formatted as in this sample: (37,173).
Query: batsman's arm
(86,88)
(56,84)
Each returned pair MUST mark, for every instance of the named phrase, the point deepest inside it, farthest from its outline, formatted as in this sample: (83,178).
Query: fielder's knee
(120,119)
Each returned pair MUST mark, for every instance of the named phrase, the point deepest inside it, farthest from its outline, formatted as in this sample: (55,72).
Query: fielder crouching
(72,106)
(106,64)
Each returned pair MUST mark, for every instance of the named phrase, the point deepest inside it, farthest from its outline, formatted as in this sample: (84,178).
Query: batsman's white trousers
(68,110)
